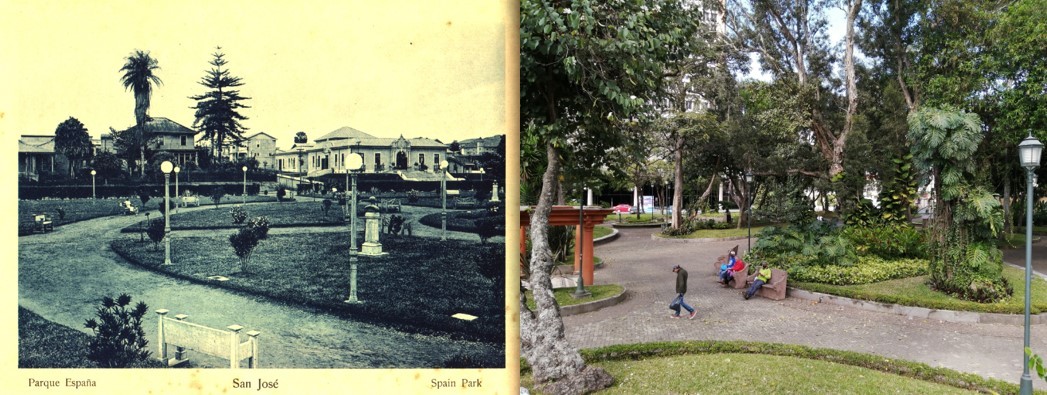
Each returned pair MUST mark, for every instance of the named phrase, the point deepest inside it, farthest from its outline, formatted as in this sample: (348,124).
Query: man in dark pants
(681,288)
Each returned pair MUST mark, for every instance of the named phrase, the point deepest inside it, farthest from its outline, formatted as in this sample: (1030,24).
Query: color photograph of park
(782,197)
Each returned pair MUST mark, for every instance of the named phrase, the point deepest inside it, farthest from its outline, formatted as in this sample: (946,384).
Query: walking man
(681,288)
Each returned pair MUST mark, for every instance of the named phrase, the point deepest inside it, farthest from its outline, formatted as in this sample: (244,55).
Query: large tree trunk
(555,365)
(677,181)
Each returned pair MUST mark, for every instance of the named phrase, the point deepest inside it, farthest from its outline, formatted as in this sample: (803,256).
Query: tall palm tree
(139,78)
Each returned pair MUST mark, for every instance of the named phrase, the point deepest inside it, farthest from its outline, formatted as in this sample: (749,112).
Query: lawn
(601,231)
(564,298)
(280,215)
(634,219)
(755,374)
(420,284)
(45,344)
(737,367)
(913,291)
(75,209)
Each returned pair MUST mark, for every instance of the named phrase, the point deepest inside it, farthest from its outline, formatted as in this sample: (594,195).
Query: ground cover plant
(716,233)
(119,340)
(914,291)
(420,284)
(279,214)
(729,367)
(45,344)
(564,298)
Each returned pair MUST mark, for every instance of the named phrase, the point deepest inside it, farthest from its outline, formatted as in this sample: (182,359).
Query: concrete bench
(187,336)
(194,200)
(128,207)
(775,289)
(43,223)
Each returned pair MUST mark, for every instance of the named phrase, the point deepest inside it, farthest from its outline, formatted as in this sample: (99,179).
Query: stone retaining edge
(919,312)
(592,306)
(607,239)
(708,240)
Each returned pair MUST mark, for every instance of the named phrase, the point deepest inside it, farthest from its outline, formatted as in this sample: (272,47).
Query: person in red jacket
(728,275)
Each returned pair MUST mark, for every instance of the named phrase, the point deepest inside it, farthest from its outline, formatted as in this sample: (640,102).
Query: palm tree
(139,78)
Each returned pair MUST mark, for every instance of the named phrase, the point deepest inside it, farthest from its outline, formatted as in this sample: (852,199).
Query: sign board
(648,204)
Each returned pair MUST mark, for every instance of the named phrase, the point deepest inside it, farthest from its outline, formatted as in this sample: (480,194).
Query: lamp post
(443,200)
(749,211)
(177,170)
(245,184)
(354,163)
(93,196)
(580,291)
(166,167)
(1029,151)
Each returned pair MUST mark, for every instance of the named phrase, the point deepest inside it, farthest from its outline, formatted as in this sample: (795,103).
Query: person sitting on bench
(762,277)
(728,269)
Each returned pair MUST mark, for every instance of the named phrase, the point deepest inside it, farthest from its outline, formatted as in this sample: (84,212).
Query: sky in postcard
(411,68)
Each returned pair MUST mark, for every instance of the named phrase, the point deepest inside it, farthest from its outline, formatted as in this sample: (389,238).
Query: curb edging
(918,312)
(593,306)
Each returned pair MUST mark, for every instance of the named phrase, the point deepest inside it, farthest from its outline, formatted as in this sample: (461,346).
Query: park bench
(194,200)
(775,289)
(129,209)
(187,336)
(43,223)
(722,259)
(466,202)
(391,205)
(740,278)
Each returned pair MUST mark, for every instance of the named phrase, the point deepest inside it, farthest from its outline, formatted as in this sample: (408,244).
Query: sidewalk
(644,265)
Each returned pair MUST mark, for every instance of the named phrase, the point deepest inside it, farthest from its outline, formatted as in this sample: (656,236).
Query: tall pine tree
(217,110)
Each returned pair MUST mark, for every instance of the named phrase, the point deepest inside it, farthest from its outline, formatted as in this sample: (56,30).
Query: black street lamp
(1029,151)
(749,211)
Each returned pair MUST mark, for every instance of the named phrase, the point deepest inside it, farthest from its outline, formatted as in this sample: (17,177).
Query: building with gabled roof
(327,154)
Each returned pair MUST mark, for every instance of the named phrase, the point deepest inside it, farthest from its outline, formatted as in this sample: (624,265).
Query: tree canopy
(217,111)
(72,140)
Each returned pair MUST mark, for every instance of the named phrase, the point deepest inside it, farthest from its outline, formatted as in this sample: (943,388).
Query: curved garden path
(63,274)
(644,265)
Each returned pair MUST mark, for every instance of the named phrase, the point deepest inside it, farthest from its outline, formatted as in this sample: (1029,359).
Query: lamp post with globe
(177,170)
(93,196)
(1029,150)
(443,200)
(166,168)
(354,163)
(245,184)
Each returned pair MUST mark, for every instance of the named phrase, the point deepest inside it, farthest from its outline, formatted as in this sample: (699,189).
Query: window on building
(421,159)
(161,141)
(183,141)
(436,161)
(377,159)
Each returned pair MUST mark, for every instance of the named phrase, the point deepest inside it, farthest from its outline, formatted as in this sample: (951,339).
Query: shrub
(325,206)
(156,232)
(489,227)
(162,206)
(119,339)
(216,195)
(61,213)
(888,241)
(244,241)
(280,194)
(143,195)
(869,269)
(239,215)
(260,225)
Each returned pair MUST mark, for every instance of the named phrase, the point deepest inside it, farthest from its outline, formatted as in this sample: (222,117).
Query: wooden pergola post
(568,216)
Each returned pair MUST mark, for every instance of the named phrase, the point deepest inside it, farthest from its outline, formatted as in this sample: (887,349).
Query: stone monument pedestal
(373,224)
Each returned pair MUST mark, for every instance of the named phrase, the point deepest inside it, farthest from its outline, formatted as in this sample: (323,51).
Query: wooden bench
(775,289)
(187,336)
(466,202)
(43,223)
(194,200)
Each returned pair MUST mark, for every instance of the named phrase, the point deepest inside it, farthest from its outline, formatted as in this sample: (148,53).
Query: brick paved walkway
(644,265)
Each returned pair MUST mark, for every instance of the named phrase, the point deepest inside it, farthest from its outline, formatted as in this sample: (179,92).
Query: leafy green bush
(870,269)
(156,232)
(119,339)
(244,241)
(818,243)
(888,241)
(260,225)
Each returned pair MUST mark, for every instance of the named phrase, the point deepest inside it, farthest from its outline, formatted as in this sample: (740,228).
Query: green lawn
(75,209)
(420,284)
(914,291)
(633,219)
(601,231)
(564,298)
(717,233)
(738,367)
(754,374)
(280,214)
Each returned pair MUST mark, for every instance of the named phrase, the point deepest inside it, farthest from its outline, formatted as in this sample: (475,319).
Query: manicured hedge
(869,269)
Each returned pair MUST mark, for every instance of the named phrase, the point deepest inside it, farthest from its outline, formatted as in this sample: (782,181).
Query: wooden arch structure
(568,216)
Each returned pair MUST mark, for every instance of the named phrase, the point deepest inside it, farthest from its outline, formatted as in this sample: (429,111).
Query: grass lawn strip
(419,284)
(751,367)
(716,233)
(564,298)
(601,231)
(280,215)
(913,291)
